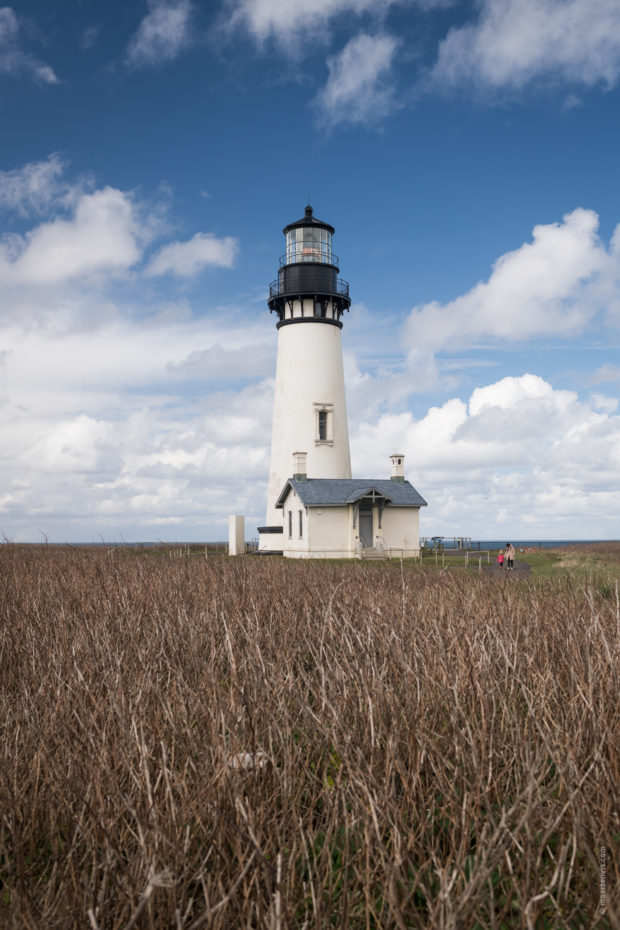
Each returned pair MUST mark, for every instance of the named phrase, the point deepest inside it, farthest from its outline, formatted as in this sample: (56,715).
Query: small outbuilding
(350,517)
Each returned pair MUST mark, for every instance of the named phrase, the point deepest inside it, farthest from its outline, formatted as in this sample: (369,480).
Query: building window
(322,425)
(301,523)
(290,524)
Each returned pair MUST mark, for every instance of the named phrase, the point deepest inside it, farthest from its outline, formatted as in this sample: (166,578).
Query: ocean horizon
(452,543)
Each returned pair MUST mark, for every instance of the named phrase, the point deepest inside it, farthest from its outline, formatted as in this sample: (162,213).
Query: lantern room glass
(308,244)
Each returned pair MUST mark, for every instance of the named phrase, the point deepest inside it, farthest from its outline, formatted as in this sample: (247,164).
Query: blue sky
(467,154)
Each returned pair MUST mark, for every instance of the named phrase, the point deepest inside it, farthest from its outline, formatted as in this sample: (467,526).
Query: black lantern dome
(309,270)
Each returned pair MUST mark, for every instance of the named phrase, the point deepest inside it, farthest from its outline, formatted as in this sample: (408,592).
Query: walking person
(510,556)
(500,558)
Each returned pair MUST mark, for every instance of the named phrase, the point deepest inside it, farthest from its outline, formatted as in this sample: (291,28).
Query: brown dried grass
(266,744)
(610,551)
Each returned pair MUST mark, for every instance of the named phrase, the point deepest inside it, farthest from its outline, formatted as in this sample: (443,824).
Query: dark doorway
(365,517)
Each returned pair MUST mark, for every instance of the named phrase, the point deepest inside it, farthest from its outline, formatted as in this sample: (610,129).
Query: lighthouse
(315,509)
(309,406)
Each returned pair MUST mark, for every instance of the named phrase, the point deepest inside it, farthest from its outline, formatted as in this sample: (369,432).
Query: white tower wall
(309,408)
(309,383)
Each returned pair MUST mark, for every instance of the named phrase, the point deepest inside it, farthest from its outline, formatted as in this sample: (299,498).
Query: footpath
(519,571)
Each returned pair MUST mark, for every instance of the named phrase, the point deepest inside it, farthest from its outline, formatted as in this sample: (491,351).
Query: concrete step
(370,553)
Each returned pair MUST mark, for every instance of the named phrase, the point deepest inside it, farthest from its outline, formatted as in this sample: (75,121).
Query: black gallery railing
(278,289)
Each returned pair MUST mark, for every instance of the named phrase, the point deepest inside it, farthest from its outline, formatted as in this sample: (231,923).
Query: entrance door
(365,517)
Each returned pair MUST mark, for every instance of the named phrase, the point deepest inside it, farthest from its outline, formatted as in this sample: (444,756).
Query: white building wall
(400,531)
(309,374)
(329,531)
(295,544)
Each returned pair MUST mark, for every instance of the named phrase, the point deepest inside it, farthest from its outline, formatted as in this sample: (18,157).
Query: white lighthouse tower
(315,509)
(309,410)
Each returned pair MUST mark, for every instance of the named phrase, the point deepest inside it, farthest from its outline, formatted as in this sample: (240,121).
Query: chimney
(299,466)
(398,467)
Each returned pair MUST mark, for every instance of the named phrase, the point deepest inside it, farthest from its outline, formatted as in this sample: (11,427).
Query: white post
(236,534)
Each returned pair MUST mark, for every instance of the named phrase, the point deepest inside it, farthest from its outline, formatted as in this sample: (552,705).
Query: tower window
(323,424)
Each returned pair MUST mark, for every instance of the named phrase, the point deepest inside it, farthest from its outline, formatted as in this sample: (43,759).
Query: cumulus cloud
(97,232)
(119,418)
(13,59)
(515,42)
(357,90)
(604,402)
(102,234)
(103,438)
(189,258)
(519,458)
(555,284)
(162,35)
(101,435)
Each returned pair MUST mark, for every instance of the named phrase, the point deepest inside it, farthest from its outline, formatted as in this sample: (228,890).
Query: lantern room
(309,243)
(309,271)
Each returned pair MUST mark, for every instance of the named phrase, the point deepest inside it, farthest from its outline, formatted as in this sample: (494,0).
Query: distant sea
(522,543)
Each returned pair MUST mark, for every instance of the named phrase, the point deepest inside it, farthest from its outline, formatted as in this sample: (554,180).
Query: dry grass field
(254,743)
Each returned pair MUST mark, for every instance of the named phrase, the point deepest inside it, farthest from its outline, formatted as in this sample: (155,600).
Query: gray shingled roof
(334,492)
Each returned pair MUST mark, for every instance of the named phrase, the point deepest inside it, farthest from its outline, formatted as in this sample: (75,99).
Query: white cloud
(189,258)
(36,186)
(356,90)
(520,458)
(103,234)
(285,19)
(604,403)
(163,33)
(101,439)
(13,59)
(511,393)
(120,417)
(282,18)
(99,232)
(606,374)
(515,42)
(101,436)
(555,284)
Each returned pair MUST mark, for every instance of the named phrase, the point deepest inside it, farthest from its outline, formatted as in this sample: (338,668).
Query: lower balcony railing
(278,289)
